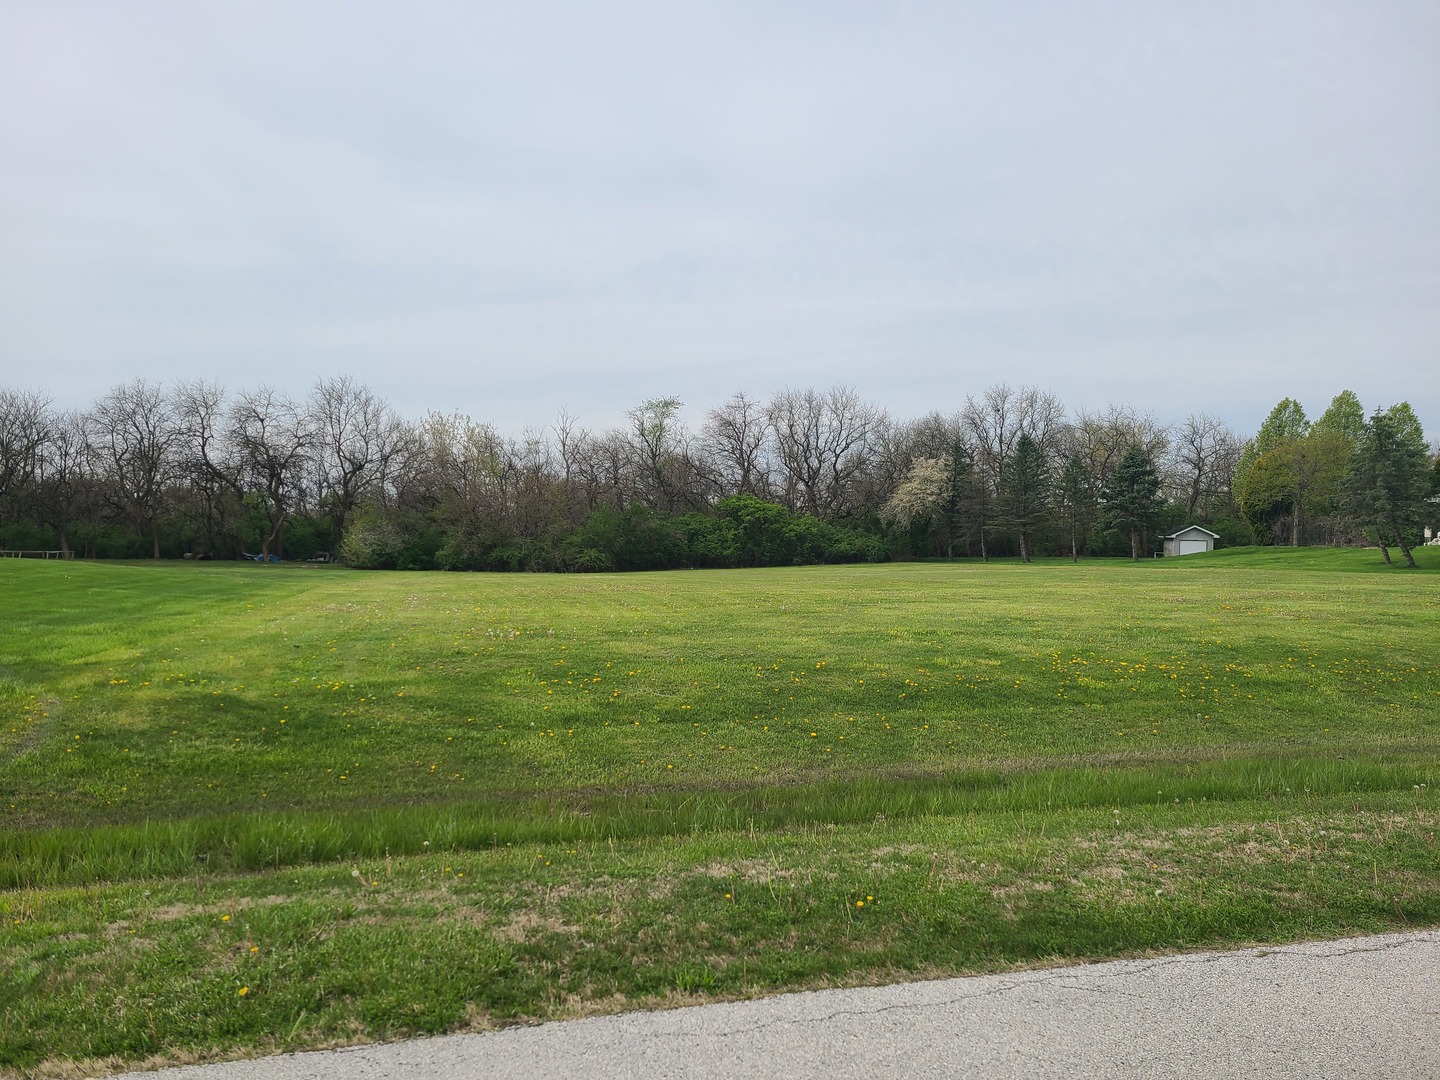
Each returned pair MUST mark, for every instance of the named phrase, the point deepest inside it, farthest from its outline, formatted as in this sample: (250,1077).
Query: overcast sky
(507,209)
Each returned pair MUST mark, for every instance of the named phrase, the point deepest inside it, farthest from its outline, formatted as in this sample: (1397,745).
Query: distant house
(1190,540)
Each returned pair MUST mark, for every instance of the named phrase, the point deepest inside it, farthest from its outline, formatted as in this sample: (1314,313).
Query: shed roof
(1192,528)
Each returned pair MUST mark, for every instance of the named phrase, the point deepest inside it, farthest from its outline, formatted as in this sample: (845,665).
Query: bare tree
(25,422)
(539,497)
(822,443)
(1042,417)
(658,449)
(1102,438)
(932,436)
(63,476)
(1204,455)
(358,439)
(609,472)
(994,423)
(735,439)
(568,439)
(133,428)
(274,441)
(208,462)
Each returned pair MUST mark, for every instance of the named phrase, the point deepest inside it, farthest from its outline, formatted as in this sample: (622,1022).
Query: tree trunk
(1134,545)
(1024,548)
(155,538)
(337,527)
(1384,548)
(1074,545)
(1405,550)
(268,541)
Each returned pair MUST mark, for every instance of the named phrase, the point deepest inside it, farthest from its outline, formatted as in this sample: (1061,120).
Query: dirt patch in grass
(750,871)
(527,925)
(172,912)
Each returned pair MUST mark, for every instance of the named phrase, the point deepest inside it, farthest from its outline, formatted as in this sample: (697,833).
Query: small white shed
(1190,540)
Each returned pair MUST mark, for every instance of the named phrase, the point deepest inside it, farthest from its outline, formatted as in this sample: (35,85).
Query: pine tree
(1132,497)
(1389,481)
(1075,501)
(959,477)
(1025,492)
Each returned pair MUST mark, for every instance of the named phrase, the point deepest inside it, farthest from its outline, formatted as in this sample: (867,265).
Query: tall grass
(252,842)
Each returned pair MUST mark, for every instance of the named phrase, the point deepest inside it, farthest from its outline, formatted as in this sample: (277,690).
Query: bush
(744,531)
(761,529)
(1231,532)
(711,542)
(402,542)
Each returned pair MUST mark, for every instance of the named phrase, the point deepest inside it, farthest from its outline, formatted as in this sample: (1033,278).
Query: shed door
(1193,547)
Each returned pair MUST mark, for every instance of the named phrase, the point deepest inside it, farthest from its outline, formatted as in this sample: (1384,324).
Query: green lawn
(390,803)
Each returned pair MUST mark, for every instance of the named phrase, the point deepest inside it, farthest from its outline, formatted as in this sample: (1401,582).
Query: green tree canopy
(1285,423)
(1345,415)
(1294,469)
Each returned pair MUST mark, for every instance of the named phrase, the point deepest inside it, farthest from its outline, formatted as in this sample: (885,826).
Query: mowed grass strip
(186,969)
(143,692)
(247,807)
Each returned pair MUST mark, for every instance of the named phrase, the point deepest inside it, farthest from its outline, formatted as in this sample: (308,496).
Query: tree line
(807,475)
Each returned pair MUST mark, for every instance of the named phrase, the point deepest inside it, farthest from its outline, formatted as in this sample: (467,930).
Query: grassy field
(249,808)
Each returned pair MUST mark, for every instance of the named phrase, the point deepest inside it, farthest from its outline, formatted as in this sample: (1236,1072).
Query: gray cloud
(507,210)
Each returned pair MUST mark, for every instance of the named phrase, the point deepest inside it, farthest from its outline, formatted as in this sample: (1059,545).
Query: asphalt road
(1362,1007)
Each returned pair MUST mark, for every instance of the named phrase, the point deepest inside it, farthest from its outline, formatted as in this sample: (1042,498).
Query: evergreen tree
(975,510)
(1132,497)
(1075,502)
(1025,492)
(959,478)
(1388,483)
